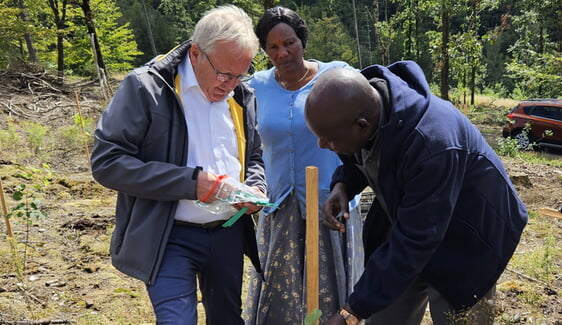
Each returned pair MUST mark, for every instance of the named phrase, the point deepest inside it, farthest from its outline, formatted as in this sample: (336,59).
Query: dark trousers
(410,308)
(212,256)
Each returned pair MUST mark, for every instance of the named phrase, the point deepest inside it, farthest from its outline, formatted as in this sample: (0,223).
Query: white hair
(226,23)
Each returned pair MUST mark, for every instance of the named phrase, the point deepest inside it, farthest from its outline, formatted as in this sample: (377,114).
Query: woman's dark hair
(276,15)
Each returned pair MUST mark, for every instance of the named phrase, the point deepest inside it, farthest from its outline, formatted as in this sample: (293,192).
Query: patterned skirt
(281,298)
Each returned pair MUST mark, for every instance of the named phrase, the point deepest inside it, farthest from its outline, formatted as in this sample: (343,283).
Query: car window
(550,112)
(528,109)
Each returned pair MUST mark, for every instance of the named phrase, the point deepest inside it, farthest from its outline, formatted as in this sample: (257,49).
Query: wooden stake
(76,97)
(5,211)
(312,236)
(549,212)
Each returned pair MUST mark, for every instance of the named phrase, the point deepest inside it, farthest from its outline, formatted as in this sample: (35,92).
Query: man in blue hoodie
(445,220)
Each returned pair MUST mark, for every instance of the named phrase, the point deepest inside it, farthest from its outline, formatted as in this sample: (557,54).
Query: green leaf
(17,195)
(313,317)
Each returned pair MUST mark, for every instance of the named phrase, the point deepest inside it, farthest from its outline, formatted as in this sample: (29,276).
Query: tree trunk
(444,83)
(409,32)
(89,16)
(60,55)
(472,84)
(149,29)
(60,18)
(382,45)
(28,40)
(357,34)
(418,42)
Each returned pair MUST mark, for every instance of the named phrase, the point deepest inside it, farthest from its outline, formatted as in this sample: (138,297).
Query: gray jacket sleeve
(129,154)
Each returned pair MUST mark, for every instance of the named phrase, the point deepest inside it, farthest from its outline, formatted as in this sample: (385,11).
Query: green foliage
(512,51)
(162,26)
(539,263)
(328,41)
(465,55)
(27,207)
(40,177)
(536,63)
(35,135)
(539,76)
(117,43)
(508,147)
(9,137)
(261,61)
(183,15)
(313,317)
(488,114)
(72,136)
(533,158)
(386,33)
(87,125)
(11,29)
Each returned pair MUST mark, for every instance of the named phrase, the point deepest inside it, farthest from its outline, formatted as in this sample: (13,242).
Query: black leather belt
(207,225)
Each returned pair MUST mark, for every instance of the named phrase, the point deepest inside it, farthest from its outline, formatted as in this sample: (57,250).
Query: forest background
(56,269)
(506,48)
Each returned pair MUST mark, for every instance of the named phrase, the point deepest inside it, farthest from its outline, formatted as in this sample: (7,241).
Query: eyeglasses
(224,77)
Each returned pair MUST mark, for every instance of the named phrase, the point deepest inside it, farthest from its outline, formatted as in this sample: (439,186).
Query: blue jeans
(212,256)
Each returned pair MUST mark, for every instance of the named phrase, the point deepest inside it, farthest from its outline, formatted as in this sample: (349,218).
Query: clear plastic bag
(217,207)
(229,191)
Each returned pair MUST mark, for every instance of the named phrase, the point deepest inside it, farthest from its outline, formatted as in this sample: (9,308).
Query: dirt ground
(58,270)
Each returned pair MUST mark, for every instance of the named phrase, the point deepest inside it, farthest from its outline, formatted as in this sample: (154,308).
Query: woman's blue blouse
(288,144)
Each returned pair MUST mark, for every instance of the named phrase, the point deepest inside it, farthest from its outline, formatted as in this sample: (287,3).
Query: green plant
(26,209)
(75,136)
(71,137)
(546,133)
(530,297)
(87,123)
(9,137)
(539,263)
(547,263)
(43,176)
(35,135)
(27,206)
(313,317)
(508,147)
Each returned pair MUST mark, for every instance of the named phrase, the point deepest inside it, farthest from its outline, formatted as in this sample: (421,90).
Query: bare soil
(58,270)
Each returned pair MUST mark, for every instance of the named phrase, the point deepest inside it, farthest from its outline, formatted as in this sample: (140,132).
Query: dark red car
(544,117)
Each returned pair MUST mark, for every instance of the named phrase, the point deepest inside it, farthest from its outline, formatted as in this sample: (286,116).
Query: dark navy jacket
(454,218)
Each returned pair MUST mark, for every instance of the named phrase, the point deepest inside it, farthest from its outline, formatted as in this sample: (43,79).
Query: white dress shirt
(212,140)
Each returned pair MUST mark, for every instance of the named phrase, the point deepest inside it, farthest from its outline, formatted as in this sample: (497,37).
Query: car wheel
(523,140)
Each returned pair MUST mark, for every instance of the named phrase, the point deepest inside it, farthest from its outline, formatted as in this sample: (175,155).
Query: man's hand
(221,187)
(211,187)
(252,208)
(205,182)
(336,203)
(344,316)
(336,319)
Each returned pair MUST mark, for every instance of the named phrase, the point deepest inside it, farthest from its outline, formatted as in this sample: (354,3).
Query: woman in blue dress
(288,148)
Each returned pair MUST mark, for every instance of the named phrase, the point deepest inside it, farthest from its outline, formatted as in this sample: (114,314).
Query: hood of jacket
(410,97)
